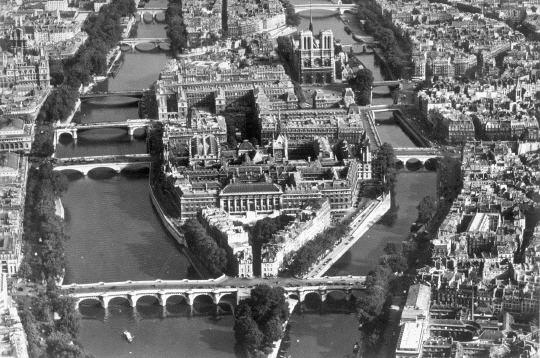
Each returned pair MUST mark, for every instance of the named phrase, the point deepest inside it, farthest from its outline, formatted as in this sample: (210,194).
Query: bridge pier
(59,132)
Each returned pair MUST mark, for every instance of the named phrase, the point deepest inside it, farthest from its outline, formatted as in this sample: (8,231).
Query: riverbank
(171,227)
(277,345)
(395,49)
(359,226)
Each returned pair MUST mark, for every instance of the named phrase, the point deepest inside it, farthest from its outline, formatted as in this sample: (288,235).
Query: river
(116,235)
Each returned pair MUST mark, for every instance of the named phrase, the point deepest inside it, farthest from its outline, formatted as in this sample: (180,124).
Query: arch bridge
(215,289)
(151,10)
(136,41)
(390,83)
(117,163)
(339,7)
(421,154)
(130,93)
(131,125)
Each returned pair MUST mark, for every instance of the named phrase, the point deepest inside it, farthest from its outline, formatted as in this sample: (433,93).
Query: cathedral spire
(310,18)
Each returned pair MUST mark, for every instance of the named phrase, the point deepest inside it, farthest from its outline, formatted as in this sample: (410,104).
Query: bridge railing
(104,158)
(128,283)
(127,122)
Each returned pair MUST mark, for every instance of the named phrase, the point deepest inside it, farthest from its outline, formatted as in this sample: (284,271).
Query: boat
(348,30)
(127,335)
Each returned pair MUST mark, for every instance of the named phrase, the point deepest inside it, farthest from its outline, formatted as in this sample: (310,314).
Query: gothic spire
(310,18)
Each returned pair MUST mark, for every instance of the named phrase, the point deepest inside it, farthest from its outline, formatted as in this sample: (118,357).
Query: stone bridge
(216,289)
(73,129)
(136,41)
(339,7)
(390,83)
(420,154)
(151,10)
(117,163)
(130,93)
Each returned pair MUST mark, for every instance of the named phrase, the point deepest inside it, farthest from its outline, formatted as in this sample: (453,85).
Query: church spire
(310,18)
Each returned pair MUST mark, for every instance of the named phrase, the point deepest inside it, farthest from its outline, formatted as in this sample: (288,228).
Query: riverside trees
(396,48)
(104,32)
(176,29)
(205,247)
(48,318)
(361,85)
(384,165)
(259,320)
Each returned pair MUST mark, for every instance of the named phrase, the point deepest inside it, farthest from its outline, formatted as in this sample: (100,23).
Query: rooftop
(243,188)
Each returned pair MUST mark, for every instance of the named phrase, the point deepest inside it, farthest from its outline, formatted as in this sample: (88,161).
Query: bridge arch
(203,303)
(313,297)
(117,301)
(155,297)
(65,133)
(135,130)
(338,294)
(227,299)
(431,164)
(168,299)
(133,167)
(294,295)
(95,300)
(94,169)
(414,164)
(193,297)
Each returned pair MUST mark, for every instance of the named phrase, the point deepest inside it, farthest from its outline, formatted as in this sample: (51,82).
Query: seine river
(116,236)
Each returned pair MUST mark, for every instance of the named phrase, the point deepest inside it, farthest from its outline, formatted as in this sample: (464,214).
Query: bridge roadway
(117,163)
(135,41)
(72,129)
(216,289)
(421,154)
(131,93)
(341,8)
(389,83)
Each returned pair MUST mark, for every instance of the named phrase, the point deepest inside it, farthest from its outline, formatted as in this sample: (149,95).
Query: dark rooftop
(239,188)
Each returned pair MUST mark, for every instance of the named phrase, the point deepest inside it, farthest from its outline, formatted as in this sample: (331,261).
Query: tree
(247,333)
(176,29)
(426,209)
(60,183)
(273,330)
(62,345)
(361,84)
(56,70)
(291,17)
(205,247)
(385,166)
(59,104)
(259,319)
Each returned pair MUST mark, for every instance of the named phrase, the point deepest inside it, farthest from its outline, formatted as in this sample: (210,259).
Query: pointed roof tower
(310,18)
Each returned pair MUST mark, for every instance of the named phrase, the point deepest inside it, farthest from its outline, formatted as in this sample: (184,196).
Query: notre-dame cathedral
(314,57)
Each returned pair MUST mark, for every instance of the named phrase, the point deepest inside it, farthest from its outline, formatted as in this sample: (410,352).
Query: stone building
(21,73)
(312,56)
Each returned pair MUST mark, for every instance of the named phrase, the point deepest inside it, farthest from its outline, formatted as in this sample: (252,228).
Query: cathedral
(314,59)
